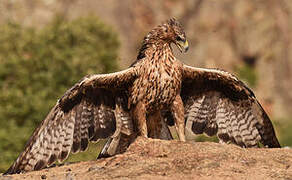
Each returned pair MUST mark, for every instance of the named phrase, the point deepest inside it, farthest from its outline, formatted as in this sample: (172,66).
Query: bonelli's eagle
(157,90)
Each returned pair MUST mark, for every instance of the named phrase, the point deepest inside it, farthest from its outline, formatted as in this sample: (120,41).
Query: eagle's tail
(116,145)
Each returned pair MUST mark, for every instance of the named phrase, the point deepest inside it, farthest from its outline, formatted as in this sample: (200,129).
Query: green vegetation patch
(38,66)
(248,74)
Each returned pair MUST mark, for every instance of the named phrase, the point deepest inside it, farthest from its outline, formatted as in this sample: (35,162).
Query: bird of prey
(157,90)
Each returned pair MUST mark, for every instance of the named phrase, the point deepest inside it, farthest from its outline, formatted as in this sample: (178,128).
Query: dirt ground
(157,159)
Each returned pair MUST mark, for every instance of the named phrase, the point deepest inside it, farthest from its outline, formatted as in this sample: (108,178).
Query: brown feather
(75,119)
(216,102)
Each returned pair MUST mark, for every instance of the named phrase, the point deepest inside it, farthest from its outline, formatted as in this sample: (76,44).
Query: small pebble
(94,168)
(69,176)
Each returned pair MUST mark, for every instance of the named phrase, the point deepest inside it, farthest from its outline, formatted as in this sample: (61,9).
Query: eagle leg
(139,116)
(177,109)
(154,124)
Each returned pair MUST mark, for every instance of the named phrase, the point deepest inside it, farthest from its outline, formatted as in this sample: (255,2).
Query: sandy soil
(157,159)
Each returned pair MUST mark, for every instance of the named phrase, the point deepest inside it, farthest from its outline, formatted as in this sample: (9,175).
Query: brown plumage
(156,91)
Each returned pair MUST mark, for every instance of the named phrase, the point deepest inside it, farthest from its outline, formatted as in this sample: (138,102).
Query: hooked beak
(182,45)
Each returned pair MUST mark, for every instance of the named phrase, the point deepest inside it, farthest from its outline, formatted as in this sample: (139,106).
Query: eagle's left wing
(217,103)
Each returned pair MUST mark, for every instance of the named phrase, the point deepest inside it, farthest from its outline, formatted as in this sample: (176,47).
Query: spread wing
(217,103)
(90,110)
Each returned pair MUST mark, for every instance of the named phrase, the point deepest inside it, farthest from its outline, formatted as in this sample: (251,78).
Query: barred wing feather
(87,112)
(217,103)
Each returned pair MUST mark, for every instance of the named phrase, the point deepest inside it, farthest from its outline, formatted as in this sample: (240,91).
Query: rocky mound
(158,159)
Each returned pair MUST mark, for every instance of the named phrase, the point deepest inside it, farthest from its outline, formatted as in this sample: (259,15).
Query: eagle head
(173,32)
(169,32)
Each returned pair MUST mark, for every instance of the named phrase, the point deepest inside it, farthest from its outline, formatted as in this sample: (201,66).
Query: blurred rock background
(250,38)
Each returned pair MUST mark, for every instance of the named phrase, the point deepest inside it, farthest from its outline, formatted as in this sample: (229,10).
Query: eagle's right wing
(92,109)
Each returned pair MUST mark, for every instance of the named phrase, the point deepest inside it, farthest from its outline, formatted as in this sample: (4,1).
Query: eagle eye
(178,38)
